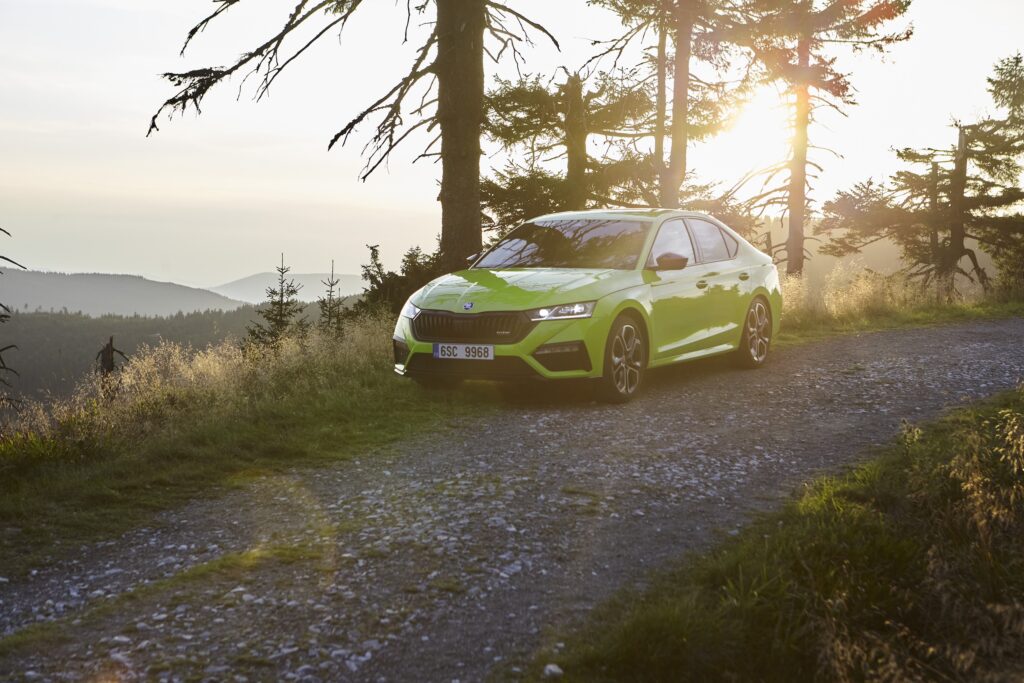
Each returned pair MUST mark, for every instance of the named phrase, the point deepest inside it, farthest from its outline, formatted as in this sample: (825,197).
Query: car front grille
(473,328)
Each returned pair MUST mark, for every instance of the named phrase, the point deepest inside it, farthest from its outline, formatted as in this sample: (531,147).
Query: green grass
(911,567)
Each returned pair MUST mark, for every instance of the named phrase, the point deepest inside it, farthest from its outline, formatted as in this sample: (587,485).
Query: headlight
(563,312)
(409,311)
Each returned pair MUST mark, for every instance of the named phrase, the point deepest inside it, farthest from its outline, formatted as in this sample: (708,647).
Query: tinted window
(569,244)
(731,244)
(672,238)
(709,240)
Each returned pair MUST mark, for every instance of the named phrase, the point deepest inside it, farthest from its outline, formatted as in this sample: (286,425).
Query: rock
(553,671)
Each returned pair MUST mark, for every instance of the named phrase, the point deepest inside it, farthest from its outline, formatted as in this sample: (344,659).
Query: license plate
(464,351)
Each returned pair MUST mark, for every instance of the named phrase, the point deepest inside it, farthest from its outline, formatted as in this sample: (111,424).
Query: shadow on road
(561,393)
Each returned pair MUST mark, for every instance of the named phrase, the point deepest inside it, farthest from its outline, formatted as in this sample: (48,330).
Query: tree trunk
(574,111)
(460,113)
(957,189)
(659,114)
(673,177)
(934,220)
(798,164)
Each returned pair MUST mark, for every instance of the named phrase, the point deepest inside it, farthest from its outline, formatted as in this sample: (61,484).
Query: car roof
(645,214)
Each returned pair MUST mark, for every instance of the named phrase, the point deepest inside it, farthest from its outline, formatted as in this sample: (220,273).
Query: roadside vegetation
(908,568)
(175,421)
(853,299)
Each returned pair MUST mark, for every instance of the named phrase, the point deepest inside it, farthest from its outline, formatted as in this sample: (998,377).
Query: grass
(852,301)
(182,423)
(909,568)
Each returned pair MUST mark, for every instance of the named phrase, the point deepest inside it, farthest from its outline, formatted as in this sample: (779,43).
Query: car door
(723,278)
(679,315)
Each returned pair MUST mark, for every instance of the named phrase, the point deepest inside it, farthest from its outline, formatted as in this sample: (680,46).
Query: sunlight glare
(758,136)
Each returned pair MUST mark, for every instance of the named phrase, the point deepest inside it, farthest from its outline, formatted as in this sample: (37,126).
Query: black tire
(756,341)
(625,360)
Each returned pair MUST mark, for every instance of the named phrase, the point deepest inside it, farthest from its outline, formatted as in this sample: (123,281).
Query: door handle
(701,284)
(744,276)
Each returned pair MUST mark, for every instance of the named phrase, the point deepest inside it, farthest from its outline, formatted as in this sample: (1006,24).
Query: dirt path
(452,556)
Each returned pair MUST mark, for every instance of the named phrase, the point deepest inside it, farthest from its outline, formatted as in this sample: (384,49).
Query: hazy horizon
(83,190)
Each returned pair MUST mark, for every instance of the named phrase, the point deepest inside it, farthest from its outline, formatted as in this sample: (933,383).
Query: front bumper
(553,349)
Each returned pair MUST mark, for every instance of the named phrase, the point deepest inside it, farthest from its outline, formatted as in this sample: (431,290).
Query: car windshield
(580,243)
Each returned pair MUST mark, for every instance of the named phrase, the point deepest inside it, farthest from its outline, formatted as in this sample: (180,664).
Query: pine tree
(442,91)
(332,308)
(949,198)
(703,61)
(548,122)
(5,315)
(792,39)
(281,312)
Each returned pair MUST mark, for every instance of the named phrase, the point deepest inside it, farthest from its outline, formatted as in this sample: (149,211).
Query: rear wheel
(757,335)
(625,360)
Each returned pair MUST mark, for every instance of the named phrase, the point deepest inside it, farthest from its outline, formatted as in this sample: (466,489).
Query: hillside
(253,289)
(56,349)
(98,294)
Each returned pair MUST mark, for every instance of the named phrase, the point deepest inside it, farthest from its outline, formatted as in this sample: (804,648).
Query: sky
(212,198)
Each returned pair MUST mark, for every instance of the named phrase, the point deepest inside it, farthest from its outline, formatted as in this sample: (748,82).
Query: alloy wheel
(759,331)
(627,359)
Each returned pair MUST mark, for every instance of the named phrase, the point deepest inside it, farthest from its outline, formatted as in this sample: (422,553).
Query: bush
(910,568)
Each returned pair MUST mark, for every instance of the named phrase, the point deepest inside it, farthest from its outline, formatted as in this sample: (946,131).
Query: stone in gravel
(553,671)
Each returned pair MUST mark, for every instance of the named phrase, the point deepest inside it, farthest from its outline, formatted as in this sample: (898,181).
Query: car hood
(520,289)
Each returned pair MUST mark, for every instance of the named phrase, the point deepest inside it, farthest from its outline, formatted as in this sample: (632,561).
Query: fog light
(563,356)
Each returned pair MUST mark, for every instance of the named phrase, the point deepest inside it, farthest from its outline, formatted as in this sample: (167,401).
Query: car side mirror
(671,261)
(472,258)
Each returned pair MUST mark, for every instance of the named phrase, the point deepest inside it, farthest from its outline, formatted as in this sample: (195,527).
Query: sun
(759,136)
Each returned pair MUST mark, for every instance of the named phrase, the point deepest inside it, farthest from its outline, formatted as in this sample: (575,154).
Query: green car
(604,295)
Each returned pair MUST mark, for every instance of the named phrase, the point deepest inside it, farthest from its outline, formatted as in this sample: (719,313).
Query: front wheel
(757,335)
(625,361)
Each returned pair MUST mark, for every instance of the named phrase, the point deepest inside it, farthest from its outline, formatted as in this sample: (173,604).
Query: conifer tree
(559,123)
(441,93)
(795,41)
(949,198)
(281,313)
(5,315)
(331,307)
(707,72)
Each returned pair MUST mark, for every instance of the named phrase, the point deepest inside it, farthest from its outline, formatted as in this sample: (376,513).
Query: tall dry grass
(852,295)
(169,380)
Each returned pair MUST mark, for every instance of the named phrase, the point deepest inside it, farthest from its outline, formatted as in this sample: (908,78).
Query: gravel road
(454,556)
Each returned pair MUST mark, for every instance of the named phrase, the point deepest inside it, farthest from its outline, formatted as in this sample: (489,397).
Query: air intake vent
(479,328)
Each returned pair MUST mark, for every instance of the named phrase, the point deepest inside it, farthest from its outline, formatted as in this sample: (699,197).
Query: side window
(709,240)
(731,244)
(672,238)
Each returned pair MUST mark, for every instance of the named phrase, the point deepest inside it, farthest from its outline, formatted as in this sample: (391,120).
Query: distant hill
(253,289)
(101,294)
(56,349)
